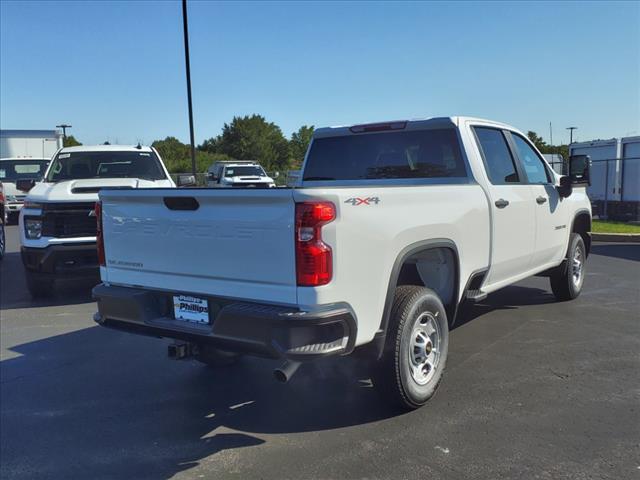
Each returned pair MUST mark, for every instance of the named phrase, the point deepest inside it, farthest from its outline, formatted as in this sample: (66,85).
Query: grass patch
(600,226)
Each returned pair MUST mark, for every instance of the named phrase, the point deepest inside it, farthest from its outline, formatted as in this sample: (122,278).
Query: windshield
(244,171)
(12,170)
(76,165)
(412,154)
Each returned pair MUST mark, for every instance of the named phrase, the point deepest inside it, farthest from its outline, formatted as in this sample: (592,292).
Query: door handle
(501,203)
(540,200)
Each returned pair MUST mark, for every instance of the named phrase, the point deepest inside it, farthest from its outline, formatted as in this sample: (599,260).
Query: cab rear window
(408,154)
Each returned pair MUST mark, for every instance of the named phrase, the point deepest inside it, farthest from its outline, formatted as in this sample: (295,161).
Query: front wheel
(416,347)
(566,283)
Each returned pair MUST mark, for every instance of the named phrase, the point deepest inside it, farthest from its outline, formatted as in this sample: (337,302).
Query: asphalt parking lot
(533,389)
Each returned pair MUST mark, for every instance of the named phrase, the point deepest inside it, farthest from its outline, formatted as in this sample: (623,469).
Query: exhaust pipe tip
(286,371)
(280,376)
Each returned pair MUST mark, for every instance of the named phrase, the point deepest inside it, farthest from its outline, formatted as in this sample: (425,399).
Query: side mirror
(186,180)
(566,187)
(580,169)
(25,184)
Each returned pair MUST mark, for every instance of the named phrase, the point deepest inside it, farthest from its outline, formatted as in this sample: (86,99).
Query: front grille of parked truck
(69,220)
(251,185)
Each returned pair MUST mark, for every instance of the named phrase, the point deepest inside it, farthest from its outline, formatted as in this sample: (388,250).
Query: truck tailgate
(223,242)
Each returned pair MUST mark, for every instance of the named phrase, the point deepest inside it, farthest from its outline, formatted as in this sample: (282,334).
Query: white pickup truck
(58,224)
(389,229)
(13,169)
(238,173)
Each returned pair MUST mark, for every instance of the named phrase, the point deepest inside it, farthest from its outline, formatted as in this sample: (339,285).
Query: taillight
(99,237)
(314,259)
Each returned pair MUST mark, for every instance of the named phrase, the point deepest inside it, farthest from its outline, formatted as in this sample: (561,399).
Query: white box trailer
(29,143)
(615,176)
(556,161)
(605,168)
(630,148)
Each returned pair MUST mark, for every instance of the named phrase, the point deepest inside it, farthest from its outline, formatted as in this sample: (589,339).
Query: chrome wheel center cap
(424,348)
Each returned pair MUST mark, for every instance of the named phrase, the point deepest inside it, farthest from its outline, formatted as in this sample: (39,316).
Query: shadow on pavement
(626,251)
(112,404)
(508,298)
(14,293)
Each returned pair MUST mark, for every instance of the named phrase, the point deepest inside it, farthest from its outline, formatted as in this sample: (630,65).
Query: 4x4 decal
(355,201)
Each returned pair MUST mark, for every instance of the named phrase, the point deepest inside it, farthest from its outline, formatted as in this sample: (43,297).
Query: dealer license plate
(191,309)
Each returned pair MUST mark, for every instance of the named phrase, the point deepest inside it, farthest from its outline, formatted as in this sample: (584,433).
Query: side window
(532,163)
(497,156)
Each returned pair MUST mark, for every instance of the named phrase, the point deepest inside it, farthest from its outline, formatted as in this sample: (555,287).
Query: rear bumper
(265,330)
(72,260)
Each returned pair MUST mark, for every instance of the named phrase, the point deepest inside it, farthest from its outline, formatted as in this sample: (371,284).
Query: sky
(115,70)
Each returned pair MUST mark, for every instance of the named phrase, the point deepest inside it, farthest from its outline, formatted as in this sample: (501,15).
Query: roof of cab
(106,148)
(413,124)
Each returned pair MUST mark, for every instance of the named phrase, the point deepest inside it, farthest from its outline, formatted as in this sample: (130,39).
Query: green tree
(252,138)
(299,143)
(172,151)
(537,141)
(544,148)
(177,156)
(210,145)
(70,141)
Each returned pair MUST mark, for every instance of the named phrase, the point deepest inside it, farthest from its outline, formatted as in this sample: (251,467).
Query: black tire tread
(561,281)
(388,376)
(4,241)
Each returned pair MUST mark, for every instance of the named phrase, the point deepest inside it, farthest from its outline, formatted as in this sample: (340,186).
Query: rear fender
(409,251)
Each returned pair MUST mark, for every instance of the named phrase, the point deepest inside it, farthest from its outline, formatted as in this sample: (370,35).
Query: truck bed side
(367,239)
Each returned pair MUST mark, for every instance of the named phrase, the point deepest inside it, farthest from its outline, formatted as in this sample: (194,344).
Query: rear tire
(416,348)
(39,287)
(214,357)
(566,283)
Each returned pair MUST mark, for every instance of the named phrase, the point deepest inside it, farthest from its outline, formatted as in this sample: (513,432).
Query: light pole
(64,127)
(571,129)
(188,68)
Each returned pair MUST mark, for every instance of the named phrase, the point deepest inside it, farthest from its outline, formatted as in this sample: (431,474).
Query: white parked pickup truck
(12,170)
(238,173)
(58,223)
(389,229)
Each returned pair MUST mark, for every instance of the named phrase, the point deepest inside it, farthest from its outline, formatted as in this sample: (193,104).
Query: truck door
(552,223)
(512,208)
